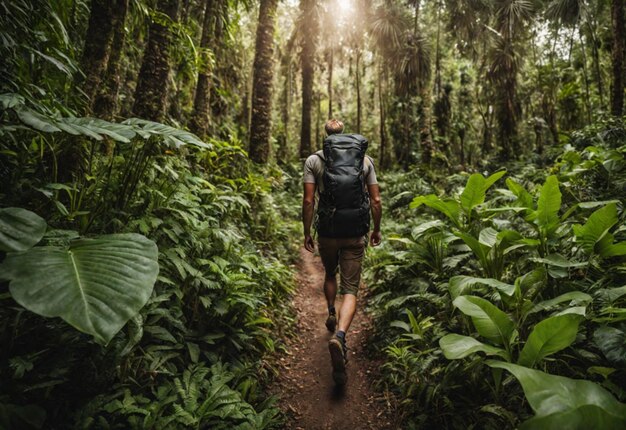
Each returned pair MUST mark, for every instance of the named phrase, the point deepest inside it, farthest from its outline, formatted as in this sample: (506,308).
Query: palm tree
(199,122)
(100,31)
(509,22)
(153,82)
(618,51)
(309,25)
(388,26)
(105,104)
(262,88)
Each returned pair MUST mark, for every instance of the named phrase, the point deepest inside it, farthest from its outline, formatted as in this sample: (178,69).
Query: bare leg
(330,289)
(347,311)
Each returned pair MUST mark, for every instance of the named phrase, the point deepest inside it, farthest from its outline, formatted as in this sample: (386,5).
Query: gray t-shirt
(314,171)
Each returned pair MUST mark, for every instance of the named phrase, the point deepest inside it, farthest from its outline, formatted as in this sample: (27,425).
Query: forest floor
(309,397)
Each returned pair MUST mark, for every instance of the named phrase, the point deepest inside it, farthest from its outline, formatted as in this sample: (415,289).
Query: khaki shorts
(347,253)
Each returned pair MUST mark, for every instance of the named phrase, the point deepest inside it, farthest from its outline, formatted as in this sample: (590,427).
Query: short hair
(333,126)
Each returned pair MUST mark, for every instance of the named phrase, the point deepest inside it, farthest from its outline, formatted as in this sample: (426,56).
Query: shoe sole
(331,324)
(339,366)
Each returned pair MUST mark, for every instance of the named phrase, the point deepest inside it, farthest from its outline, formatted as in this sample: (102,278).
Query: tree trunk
(153,82)
(617,21)
(383,132)
(596,61)
(587,101)
(424,112)
(218,105)
(358,90)
(105,104)
(262,89)
(330,83)
(199,123)
(97,45)
(309,42)
(318,120)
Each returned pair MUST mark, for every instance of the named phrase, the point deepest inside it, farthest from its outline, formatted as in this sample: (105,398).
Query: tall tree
(153,82)
(509,22)
(618,51)
(310,27)
(105,104)
(200,117)
(97,45)
(262,88)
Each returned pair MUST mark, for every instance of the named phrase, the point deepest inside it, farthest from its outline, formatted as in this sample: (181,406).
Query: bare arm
(377,213)
(307,215)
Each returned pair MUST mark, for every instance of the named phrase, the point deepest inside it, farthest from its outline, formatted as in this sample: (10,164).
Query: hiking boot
(331,322)
(338,357)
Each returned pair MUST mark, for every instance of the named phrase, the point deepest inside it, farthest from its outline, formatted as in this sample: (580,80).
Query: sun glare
(345,5)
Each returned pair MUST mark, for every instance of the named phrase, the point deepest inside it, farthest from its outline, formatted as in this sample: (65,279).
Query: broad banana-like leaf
(573,297)
(558,260)
(612,343)
(548,206)
(596,227)
(459,285)
(449,208)
(490,322)
(524,198)
(480,250)
(476,189)
(549,336)
(488,236)
(455,346)
(96,285)
(172,136)
(565,403)
(20,229)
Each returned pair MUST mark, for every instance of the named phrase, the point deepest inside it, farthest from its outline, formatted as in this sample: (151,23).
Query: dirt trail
(308,394)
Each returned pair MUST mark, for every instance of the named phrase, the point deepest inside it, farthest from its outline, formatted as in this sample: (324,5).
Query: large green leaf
(459,285)
(476,189)
(564,403)
(594,236)
(455,346)
(20,229)
(449,208)
(524,198)
(490,322)
(171,136)
(573,297)
(548,205)
(480,250)
(96,285)
(612,343)
(549,336)
(557,260)
(596,227)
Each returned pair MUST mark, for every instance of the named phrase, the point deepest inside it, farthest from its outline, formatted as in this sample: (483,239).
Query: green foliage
(529,269)
(96,285)
(20,229)
(218,298)
(559,401)
(549,336)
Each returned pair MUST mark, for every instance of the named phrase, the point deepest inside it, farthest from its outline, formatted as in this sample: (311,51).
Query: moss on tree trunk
(153,82)
(262,88)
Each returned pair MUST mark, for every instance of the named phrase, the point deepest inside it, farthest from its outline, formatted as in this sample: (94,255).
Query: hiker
(340,181)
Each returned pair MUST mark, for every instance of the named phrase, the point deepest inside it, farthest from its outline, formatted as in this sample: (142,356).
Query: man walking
(341,181)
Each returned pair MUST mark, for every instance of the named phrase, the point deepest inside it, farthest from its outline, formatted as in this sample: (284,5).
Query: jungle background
(150,184)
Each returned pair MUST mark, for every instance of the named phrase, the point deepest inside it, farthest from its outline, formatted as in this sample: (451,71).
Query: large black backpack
(344,206)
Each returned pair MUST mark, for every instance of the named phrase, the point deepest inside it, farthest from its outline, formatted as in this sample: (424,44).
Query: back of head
(333,126)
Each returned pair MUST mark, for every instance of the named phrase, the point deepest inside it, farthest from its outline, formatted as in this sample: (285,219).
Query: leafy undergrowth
(502,283)
(193,356)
